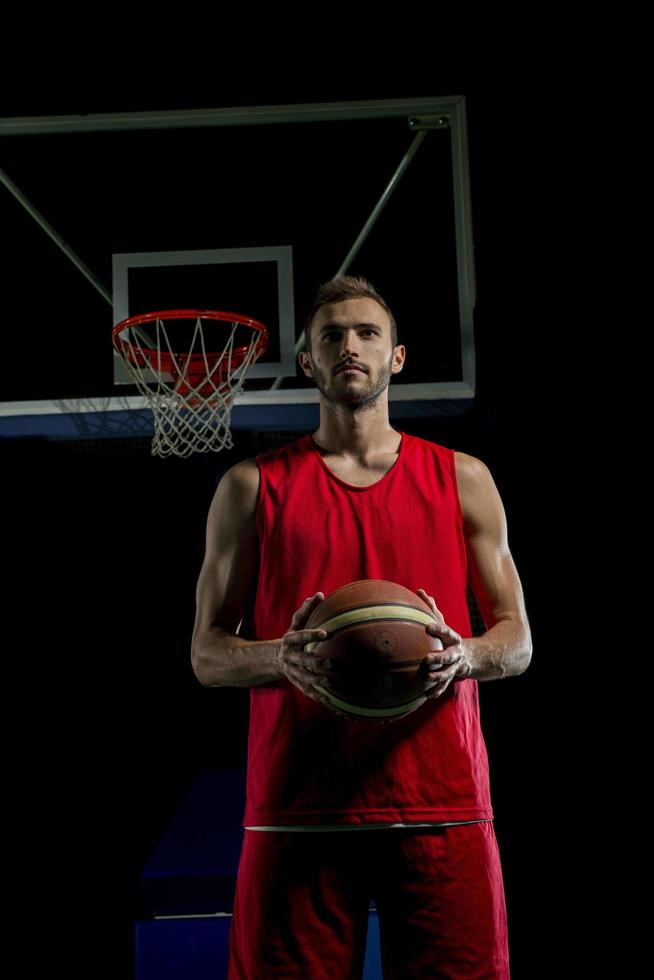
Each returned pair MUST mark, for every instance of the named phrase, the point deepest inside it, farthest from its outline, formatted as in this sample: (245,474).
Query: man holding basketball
(340,811)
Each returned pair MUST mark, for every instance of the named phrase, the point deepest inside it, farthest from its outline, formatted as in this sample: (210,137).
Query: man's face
(356,333)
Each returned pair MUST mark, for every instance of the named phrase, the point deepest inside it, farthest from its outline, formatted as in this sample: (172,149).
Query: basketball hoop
(186,365)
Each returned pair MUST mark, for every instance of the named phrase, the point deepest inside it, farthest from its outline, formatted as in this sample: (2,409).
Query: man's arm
(220,657)
(505,648)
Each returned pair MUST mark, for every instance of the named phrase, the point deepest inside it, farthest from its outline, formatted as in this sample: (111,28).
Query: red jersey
(306,765)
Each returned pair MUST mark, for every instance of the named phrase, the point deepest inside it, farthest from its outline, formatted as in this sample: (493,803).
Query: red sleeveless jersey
(307,765)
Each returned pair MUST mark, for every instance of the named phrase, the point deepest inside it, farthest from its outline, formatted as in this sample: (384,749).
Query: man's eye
(334,333)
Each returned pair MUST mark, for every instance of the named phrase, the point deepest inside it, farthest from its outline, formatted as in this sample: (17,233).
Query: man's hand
(300,668)
(452,663)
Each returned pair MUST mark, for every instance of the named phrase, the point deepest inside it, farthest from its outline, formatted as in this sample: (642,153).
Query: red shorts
(302,902)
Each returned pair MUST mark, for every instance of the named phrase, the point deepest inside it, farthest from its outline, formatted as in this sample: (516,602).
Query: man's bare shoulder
(469,467)
(474,482)
(244,474)
(238,489)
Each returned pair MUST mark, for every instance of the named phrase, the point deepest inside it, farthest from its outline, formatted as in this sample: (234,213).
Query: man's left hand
(453,663)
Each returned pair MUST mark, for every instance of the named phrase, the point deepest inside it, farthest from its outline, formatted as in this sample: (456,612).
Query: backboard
(247,209)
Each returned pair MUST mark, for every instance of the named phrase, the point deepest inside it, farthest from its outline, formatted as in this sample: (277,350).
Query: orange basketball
(376,643)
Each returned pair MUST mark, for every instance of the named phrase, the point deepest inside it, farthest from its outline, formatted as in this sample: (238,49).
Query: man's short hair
(342,288)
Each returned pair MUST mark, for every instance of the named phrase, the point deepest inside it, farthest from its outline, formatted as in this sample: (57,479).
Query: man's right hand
(300,668)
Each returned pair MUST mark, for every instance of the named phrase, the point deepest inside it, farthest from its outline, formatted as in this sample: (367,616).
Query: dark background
(109,724)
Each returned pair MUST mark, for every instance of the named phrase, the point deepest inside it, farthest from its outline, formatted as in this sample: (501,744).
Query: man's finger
(313,666)
(435,629)
(440,684)
(302,614)
(437,660)
(430,601)
(302,637)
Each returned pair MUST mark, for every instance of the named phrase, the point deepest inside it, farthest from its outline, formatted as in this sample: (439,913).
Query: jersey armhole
(259,504)
(459,509)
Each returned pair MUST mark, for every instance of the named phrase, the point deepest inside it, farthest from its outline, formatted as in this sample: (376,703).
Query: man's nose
(349,344)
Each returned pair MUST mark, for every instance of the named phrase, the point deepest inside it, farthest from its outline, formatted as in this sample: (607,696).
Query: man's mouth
(349,367)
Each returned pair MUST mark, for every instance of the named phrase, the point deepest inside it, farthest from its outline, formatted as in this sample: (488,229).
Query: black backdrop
(109,724)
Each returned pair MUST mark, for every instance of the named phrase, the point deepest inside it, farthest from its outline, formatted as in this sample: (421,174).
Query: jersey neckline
(353,486)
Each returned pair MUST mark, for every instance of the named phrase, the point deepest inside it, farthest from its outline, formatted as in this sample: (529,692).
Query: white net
(191,394)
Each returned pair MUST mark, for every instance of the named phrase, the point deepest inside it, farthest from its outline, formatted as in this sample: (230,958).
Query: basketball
(376,643)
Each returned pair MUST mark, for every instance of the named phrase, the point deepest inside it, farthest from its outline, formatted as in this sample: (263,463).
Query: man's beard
(356,396)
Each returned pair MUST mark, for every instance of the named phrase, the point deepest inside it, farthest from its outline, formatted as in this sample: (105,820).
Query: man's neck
(357,441)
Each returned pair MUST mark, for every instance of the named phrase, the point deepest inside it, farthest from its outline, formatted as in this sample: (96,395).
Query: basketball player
(340,811)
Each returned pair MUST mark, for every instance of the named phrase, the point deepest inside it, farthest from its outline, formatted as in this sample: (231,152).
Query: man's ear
(306,363)
(399,355)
